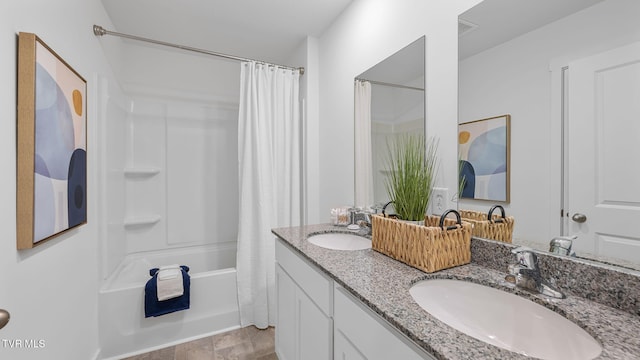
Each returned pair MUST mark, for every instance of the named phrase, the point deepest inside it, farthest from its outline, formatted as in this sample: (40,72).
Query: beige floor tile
(162,354)
(248,343)
(262,340)
(229,339)
(271,356)
(201,349)
(241,351)
(199,354)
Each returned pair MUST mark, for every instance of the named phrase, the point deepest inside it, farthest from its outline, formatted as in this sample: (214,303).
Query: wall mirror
(566,72)
(389,100)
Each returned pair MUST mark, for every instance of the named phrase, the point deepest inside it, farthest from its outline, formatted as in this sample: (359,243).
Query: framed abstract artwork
(52,144)
(484,151)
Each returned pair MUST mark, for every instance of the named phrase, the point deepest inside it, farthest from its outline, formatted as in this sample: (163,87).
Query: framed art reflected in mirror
(484,151)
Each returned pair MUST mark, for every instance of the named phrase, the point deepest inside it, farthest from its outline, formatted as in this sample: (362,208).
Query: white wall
(366,33)
(158,70)
(51,291)
(515,78)
(307,56)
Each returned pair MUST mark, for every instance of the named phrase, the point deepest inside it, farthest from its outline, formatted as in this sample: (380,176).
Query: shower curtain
(269,173)
(363,161)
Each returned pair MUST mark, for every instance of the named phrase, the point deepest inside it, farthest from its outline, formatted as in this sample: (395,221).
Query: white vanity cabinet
(359,333)
(304,326)
(318,319)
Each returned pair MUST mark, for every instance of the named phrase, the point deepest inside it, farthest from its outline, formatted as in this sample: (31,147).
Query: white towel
(169,282)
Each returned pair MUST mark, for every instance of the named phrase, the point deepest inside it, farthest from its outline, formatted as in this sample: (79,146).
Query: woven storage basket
(490,226)
(429,248)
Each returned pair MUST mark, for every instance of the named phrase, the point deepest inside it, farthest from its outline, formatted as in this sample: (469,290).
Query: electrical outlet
(440,201)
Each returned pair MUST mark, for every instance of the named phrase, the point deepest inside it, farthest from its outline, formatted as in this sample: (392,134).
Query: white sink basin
(340,241)
(504,320)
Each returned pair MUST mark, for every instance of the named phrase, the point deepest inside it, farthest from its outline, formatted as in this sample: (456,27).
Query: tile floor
(247,343)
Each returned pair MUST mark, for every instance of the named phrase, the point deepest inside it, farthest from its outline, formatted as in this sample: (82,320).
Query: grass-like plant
(462,180)
(412,164)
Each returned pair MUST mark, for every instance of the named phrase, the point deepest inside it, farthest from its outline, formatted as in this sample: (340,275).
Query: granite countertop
(383,284)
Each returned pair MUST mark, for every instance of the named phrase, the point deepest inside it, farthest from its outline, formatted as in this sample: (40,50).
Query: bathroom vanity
(357,304)
(319,319)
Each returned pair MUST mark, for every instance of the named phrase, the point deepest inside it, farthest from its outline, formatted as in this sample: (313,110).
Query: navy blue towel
(153,307)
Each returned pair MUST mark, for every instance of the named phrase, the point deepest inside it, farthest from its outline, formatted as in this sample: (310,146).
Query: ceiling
(403,67)
(271,30)
(495,21)
(499,21)
(268,30)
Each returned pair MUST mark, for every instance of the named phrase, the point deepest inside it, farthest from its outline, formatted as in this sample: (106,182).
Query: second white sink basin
(340,241)
(504,320)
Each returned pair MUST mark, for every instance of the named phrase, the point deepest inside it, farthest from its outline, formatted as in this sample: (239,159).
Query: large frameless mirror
(389,100)
(564,71)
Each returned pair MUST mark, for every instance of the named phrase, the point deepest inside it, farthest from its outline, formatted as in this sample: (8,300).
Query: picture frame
(484,150)
(51,196)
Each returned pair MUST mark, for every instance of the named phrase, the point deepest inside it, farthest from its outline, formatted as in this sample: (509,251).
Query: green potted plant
(412,164)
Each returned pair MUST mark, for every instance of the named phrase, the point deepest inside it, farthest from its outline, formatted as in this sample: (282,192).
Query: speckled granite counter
(383,284)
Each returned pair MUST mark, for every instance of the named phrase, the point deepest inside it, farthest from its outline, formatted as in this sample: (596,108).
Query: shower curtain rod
(100,31)
(390,84)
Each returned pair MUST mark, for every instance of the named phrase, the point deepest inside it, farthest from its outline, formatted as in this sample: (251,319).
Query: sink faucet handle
(526,274)
(561,245)
(526,257)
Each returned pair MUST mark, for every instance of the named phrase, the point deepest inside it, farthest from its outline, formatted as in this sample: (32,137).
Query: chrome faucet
(561,245)
(525,273)
(362,217)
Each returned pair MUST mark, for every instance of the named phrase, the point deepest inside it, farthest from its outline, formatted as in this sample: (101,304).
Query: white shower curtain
(363,161)
(269,169)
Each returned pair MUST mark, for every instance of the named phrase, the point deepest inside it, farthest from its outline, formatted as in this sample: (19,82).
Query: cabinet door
(303,331)
(315,329)
(285,318)
(344,350)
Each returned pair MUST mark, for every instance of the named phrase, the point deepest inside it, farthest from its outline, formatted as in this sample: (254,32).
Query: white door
(603,145)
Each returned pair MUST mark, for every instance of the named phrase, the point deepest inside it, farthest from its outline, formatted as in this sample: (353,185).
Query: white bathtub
(125,331)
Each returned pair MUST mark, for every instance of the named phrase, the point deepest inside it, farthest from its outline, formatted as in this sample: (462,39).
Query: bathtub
(124,331)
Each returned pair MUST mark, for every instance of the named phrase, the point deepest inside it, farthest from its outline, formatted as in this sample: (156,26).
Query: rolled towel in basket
(169,282)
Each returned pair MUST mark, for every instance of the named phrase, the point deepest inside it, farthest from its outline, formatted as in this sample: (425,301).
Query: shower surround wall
(181,175)
(172,176)
(170,149)
(171,198)
(170,189)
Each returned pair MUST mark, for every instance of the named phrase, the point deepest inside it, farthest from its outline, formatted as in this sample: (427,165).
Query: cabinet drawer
(316,285)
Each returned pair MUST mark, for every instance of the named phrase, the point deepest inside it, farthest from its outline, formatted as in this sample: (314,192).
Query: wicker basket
(490,226)
(429,248)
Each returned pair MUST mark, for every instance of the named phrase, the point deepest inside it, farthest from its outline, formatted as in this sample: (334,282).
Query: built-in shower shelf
(141,171)
(141,220)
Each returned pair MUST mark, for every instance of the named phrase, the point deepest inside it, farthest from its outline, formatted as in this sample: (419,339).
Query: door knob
(4,318)
(579,218)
